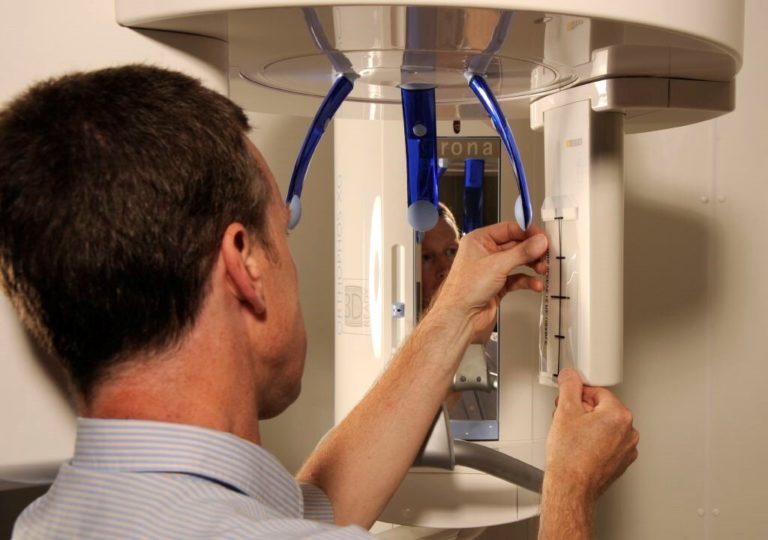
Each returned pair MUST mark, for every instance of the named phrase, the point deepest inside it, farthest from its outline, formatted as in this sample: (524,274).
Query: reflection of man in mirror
(438,248)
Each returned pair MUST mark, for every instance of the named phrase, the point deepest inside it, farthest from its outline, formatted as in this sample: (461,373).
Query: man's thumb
(570,385)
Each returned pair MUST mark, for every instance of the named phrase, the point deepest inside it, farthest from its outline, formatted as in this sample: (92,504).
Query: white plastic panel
(583,213)
(720,21)
(372,237)
(37,417)
(568,41)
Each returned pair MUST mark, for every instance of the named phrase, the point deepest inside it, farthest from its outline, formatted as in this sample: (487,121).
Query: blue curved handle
(483,92)
(420,122)
(336,95)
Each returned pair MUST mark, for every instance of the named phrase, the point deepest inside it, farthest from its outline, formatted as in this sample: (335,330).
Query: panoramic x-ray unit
(437,105)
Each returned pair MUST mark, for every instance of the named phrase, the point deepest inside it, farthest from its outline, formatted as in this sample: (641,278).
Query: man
(439,246)
(142,239)
(438,249)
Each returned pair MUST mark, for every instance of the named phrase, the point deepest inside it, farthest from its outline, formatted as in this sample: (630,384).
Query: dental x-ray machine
(400,82)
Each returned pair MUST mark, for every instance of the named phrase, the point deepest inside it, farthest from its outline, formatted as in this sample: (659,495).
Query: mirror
(468,188)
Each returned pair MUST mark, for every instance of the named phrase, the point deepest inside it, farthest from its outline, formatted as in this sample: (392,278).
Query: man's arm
(590,444)
(362,461)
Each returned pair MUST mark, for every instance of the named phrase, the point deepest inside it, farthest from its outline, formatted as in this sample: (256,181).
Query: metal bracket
(440,450)
(473,373)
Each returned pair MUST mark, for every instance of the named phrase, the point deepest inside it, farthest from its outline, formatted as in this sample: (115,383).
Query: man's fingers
(521,254)
(503,232)
(600,397)
(588,407)
(533,230)
(539,266)
(570,388)
(516,282)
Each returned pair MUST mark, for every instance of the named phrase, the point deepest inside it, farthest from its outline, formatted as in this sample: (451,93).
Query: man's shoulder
(114,504)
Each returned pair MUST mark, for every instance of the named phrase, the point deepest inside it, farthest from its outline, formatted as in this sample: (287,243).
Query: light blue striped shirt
(141,479)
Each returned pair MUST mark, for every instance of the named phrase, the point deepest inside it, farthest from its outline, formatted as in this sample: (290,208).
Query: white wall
(695,355)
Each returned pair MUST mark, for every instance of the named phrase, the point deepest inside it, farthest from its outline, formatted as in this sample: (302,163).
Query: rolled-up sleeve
(317,506)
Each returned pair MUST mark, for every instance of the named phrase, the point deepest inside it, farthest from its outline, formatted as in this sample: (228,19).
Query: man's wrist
(570,480)
(450,321)
(567,507)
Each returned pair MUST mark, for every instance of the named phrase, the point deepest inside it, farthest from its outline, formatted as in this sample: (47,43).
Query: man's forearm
(566,510)
(362,461)
(360,464)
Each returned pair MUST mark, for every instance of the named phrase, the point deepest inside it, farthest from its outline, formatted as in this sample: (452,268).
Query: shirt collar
(148,446)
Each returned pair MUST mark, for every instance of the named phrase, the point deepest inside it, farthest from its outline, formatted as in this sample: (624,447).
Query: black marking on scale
(559,297)
(559,218)
(560,335)
(560,258)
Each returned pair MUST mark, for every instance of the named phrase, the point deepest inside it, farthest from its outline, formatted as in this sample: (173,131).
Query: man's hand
(592,438)
(482,272)
(591,443)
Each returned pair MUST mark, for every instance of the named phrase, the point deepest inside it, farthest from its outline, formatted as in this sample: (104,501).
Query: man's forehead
(440,236)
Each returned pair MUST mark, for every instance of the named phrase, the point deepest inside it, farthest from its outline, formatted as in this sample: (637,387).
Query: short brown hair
(443,211)
(116,187)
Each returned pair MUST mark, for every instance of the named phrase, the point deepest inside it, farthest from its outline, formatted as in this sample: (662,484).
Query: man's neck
(202,381)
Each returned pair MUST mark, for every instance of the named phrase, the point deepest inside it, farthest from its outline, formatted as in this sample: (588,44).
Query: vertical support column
(374,306)
(583,212)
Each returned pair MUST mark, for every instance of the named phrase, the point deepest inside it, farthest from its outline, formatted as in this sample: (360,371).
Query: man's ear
(244,261)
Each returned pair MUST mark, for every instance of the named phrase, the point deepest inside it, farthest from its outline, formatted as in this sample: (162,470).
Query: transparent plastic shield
(558,323)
